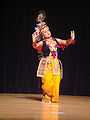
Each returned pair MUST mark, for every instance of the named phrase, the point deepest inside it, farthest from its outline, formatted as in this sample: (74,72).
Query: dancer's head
(40,16)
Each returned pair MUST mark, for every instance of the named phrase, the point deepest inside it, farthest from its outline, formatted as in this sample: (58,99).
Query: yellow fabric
(51,81)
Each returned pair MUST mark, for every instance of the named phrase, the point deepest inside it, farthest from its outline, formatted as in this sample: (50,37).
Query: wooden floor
(30,107)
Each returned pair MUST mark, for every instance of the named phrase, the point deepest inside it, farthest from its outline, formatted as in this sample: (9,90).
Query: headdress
(40,16)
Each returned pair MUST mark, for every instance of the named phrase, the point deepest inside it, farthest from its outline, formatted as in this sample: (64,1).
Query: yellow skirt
(51,79)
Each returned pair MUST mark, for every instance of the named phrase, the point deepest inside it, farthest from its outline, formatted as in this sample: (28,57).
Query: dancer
(50,67)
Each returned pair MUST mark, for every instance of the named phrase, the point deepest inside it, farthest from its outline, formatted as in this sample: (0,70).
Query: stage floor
(30,107)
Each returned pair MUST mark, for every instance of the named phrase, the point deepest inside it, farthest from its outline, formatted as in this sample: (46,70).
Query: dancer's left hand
(72,34)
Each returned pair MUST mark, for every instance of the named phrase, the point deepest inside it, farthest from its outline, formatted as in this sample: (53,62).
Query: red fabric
(38,48)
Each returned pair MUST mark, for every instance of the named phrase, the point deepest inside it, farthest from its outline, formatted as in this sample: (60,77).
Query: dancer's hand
(35,34)
(37,31)
(72,34)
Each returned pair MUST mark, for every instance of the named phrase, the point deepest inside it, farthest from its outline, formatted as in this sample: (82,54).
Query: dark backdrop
(18,60)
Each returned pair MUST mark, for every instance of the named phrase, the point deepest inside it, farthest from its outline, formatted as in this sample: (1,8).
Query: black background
(18,60)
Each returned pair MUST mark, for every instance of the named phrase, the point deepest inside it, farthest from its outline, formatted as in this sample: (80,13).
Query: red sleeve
(38,48)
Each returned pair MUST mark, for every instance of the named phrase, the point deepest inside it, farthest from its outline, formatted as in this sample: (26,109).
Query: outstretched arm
(66,43)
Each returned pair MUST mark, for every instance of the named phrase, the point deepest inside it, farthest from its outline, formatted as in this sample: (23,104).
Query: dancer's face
(40,17)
